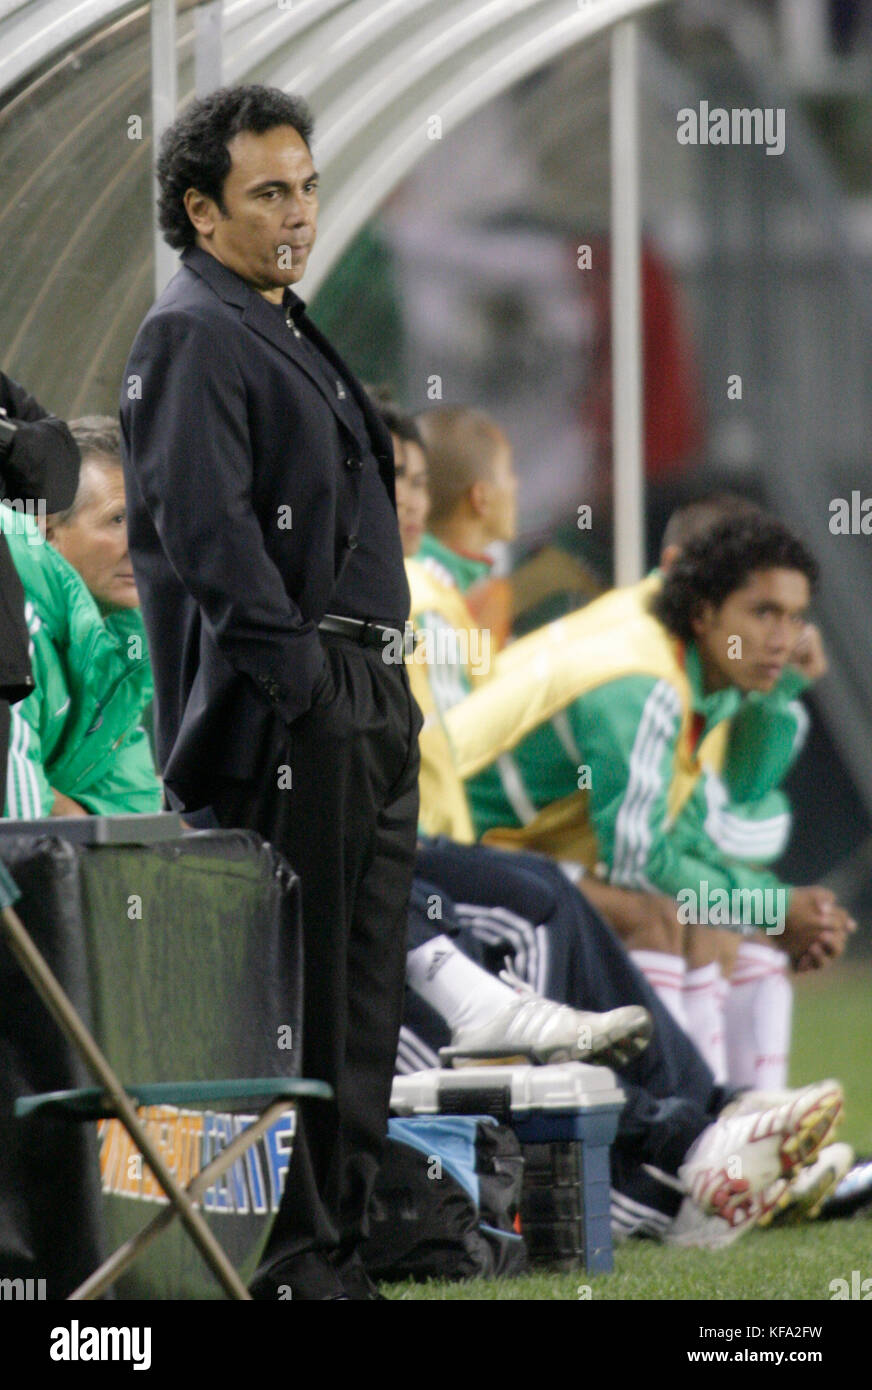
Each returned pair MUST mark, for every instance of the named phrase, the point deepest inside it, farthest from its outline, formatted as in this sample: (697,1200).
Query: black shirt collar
(292,305)
(231,286)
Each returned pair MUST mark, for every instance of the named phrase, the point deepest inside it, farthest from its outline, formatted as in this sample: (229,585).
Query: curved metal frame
(377,73)
(372,128)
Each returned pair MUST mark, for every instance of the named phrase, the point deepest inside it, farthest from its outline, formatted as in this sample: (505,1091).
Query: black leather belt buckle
(340,627)
(378,634)
(367,633)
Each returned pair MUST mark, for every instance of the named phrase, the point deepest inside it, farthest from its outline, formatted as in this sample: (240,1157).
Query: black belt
(368,634)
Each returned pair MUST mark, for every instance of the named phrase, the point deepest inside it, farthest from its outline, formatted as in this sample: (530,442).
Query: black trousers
(337,795)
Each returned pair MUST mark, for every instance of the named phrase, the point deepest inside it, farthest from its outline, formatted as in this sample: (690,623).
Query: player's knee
(702,946)
(643,921)
(668,932)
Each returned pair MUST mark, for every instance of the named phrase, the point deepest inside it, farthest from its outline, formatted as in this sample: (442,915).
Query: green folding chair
(112,1100)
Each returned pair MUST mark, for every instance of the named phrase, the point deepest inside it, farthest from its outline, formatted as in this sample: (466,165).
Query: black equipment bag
(446,1201)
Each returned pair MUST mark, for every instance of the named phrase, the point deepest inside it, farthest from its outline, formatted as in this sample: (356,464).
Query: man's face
(271,210)
(500,496)
(94,540)
(413,498)
(749,640)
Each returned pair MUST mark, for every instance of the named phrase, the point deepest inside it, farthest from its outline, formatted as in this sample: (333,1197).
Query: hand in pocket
(327,709)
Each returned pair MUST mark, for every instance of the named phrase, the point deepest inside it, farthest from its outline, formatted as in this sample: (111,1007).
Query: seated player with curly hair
(606,734)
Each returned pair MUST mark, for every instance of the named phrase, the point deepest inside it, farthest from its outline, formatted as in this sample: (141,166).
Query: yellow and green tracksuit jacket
(458,650)
(436,605)
(605,749)
(79,731)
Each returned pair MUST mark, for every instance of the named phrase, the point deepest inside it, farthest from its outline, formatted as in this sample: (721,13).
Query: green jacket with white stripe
(738,808)
(79,732)
(625,764)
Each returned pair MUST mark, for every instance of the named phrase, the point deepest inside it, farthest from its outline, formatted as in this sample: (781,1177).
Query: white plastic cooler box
(565,1117)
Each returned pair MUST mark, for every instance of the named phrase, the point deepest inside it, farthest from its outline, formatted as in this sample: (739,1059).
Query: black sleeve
(16,680)
(44,459)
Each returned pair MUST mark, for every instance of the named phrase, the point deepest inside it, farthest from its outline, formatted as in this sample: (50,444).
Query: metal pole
(805,35)
(164,87)
(208,47)
(628,474)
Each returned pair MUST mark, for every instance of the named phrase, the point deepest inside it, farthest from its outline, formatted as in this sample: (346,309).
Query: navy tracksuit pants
(497,903)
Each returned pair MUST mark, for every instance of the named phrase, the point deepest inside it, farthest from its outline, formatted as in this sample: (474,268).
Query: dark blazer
(225,426)
(42,466)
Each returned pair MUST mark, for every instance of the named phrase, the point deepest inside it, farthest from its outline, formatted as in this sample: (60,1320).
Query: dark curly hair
(398,422)
(193,150)
(717,563)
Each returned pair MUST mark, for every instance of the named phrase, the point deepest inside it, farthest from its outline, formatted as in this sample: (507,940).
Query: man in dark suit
(267,556)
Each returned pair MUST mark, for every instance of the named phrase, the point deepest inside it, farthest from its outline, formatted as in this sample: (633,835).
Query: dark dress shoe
(356,1281)
(307,1278)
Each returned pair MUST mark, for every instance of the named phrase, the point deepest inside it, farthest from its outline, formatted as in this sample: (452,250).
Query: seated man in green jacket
(77,746)
(606,729)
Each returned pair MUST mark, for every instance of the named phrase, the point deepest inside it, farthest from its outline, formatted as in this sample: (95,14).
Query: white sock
(723,992)
(665,974)
(462,992)
(705,1016)
(723,989)
(757,1018)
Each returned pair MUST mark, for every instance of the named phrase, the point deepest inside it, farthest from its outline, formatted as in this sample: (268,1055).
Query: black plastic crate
(544,1204)
(559,1229)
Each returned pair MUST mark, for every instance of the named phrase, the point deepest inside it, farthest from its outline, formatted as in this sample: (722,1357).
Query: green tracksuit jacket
(613,751)
(617,742)
(79,731)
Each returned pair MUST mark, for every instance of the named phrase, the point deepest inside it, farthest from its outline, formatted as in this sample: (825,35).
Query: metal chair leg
(111,1269)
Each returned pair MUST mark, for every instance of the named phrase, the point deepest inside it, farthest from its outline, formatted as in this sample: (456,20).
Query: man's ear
(700,617)
(201,210)
(478,497)
(669,556)
(50,527)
